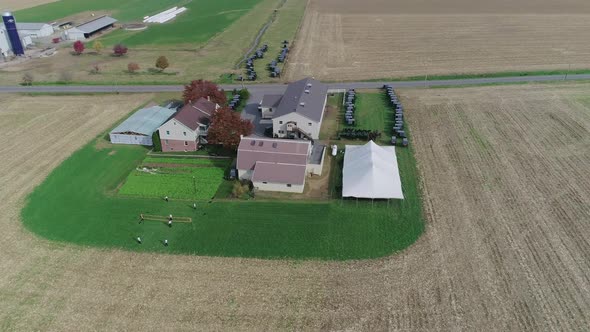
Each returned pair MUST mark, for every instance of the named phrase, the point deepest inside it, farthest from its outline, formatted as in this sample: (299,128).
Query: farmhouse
(370,171)
(139,127)
(299,112)
(278,164)
(88,29)
(188,127)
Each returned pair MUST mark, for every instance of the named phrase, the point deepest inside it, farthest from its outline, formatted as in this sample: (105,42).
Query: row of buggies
(399,133)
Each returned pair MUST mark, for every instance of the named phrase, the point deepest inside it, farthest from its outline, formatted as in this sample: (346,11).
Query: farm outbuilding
(34,30)
(140,126)
(370,171)
(88,29)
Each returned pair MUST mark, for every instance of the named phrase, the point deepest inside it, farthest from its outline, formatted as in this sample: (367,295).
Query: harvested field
(506,247)
(351,40)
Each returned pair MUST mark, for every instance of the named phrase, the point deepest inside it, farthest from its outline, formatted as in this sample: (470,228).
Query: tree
(28,79)
(156,141)
(79,47)
(227,127)
(119,50)
(132,67)
(203,89)
(162,63)
(98,46)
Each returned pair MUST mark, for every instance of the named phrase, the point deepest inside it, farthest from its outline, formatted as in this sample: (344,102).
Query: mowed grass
(203,19)
(374,112)
(77,204)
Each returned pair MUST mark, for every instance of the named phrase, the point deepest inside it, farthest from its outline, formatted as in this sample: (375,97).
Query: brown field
(351,40)
(507,199)
(14,5)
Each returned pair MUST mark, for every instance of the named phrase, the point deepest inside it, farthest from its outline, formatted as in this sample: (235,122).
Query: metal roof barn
(87,29)
(139,127)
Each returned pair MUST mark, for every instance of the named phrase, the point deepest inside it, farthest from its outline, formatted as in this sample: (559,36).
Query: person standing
(138,240)
(165,243)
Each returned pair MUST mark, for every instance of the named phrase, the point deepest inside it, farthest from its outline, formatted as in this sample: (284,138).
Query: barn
(139,127)
(88,29)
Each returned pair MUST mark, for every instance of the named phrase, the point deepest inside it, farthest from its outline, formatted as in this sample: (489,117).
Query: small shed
(139,127)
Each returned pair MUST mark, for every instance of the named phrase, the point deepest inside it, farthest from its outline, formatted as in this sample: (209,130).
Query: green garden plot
(181,183)
(187,161)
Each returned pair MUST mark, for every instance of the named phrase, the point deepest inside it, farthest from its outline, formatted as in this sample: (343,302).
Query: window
(309,124)
(184,133)
(280,122)
(289,185)
(167,132)
(185,143)
(175,123)
(281,132)
(166,142)
(264,182)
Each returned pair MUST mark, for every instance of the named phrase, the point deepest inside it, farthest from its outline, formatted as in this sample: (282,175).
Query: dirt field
(351,40)
(506,246)
(14,5)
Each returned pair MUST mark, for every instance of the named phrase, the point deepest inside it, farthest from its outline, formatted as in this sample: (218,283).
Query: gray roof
(305,97)
(96,24)
(28,26)
(270,100)
(145,121)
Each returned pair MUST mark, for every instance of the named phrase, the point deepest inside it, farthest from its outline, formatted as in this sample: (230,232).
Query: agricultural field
(352,40)
(211,59)
(177,178)
(505,246)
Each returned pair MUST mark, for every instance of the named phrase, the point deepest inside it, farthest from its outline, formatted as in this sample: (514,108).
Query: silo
(10,24)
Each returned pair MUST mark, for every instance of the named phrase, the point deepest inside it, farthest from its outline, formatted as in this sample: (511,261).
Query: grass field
(374,112)
(203,19)
(82,211)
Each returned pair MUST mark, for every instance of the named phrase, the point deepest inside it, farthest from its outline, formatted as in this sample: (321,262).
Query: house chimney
(209,98)
(241,136)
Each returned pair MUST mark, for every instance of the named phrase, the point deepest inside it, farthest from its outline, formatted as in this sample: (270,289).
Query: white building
(6,47)
(299,112)
(189,127)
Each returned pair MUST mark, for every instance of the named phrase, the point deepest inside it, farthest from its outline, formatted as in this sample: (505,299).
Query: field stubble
(378,39)
(506,246)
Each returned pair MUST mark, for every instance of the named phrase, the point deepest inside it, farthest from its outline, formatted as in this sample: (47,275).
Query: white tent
(370,171)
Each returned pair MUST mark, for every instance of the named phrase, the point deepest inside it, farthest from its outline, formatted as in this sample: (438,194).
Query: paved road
(278,88)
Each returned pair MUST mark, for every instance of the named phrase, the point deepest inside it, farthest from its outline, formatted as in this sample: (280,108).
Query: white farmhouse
(188,127)
(299,112)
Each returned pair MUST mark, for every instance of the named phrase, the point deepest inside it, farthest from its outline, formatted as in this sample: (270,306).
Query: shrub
(132,67)
(156,141)
(28,79)
(119,50)
(162,63)
(79,47)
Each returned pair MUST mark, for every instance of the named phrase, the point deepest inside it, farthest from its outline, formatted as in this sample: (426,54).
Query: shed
(90,28)
(139,127)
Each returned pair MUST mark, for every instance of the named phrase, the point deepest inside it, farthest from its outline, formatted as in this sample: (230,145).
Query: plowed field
(507,199)
(351,40)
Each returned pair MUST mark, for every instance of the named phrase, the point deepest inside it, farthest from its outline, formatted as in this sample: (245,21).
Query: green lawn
(78,204)
(203,19)
(374,112)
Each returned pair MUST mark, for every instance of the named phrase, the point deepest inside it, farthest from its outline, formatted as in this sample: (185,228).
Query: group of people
(141,219)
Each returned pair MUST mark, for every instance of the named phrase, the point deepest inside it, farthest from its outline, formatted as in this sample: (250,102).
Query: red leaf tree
(79,47)
(226,128)
(119,50)
(197,89)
